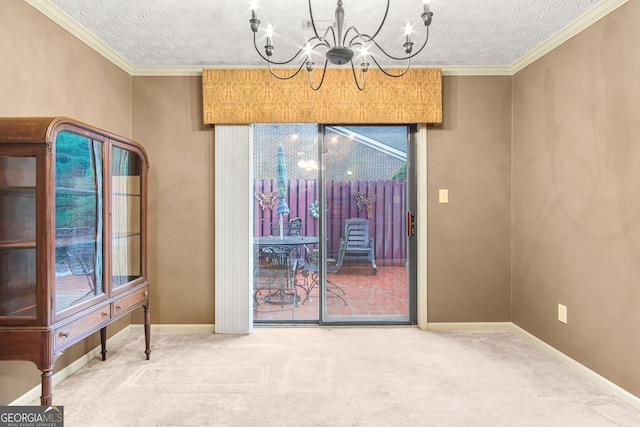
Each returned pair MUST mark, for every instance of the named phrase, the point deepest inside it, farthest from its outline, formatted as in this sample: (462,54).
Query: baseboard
(469,326)
(600,381)
(175,328)
(34,394)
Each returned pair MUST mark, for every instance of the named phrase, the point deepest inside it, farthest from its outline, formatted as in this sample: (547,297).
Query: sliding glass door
(332,215)
(366,276)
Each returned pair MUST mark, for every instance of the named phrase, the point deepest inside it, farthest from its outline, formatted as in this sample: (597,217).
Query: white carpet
(335,377)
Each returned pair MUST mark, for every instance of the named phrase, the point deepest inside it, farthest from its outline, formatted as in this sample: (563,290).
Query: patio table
(282,248)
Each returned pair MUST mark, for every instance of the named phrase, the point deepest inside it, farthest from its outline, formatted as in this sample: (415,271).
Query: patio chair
(356,246)
(309,272)
(82,262)
(292,228)
(78,243)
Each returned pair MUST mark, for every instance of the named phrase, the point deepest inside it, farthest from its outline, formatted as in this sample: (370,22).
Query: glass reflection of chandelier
(339,46)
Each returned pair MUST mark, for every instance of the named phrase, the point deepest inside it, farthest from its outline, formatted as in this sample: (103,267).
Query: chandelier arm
(401,58)
(384,18)
(355,78)
(313,24)
(364,37)
(333,36)
(324,71)
(320,43)
(266,59)
(402,73)
(357,36)
(273,73)
(367,38)
(323,39)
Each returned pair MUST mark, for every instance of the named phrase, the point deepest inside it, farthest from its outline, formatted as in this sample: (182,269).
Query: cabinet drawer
(130,301)
(78,329)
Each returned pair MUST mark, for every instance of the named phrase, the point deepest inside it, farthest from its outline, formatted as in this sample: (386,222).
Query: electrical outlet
(562,313)
(444,195)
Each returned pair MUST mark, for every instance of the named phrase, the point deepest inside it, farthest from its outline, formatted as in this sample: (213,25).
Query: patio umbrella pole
(281,178)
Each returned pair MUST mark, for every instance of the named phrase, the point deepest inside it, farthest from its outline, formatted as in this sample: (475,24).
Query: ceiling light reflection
(308,164)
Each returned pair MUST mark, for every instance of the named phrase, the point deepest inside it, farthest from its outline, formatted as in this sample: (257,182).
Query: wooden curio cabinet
(73,253)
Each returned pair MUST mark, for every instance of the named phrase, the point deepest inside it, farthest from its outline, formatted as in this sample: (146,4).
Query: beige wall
(469,237)
(48,72)
(167,117)
(576,186)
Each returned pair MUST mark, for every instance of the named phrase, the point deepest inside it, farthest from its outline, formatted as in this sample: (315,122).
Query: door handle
(411,224)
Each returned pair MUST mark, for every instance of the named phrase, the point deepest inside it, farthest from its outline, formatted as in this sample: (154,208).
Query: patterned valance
(244,96)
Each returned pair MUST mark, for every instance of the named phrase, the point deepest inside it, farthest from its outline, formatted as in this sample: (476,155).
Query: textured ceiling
(216,33)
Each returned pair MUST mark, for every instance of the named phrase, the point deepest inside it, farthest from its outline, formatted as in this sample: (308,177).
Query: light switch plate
(562,313)
(444,195)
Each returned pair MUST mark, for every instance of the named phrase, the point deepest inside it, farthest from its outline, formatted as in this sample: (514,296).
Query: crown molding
(587,19)
(461,70)
(602,9)
(60,17)
(477,70)
(167,71)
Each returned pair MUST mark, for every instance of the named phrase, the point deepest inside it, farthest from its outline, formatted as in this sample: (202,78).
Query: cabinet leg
(103,343)
(47,395)
(147,330)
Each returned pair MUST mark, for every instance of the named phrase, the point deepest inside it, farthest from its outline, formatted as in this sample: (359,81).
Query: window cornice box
(244,96)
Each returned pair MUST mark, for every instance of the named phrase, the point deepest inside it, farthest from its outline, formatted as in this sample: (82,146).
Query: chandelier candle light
(339,46)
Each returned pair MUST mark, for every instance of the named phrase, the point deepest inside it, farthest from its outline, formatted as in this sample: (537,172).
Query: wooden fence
(383,203)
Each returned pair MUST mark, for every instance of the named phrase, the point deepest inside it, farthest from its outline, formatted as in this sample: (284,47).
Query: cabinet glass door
(78,204)
(17,236)
(126,223)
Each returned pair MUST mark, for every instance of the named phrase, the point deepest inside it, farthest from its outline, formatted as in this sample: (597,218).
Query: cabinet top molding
(43,130)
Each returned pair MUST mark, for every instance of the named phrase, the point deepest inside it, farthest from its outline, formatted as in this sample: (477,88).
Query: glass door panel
(17,236)
(365,273)
(78,195)
(126,223)
(286,223)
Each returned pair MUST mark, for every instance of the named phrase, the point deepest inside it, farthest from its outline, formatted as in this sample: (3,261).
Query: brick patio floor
(382,294)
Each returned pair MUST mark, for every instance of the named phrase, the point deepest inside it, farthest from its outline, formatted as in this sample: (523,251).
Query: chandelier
(339,46)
